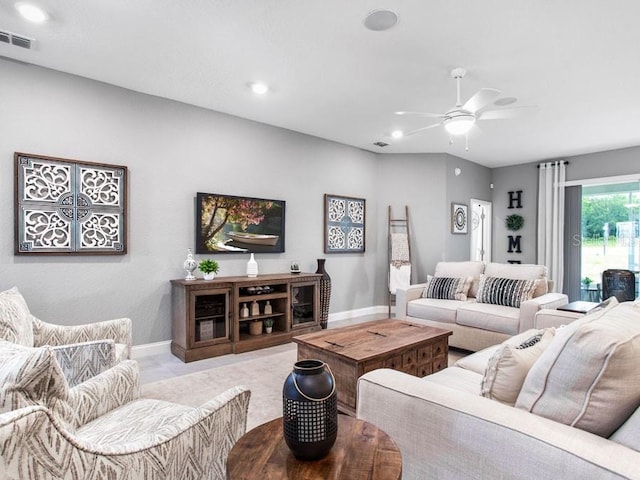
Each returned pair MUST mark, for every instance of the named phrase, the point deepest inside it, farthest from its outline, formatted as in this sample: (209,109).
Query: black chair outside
(620,284)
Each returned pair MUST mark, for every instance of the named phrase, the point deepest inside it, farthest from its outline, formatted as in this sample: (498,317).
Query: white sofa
(478,325)
(588,376)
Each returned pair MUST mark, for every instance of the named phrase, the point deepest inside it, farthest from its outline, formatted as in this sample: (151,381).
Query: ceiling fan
(460,119)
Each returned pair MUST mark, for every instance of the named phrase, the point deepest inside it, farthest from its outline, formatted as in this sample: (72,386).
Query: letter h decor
(69,207)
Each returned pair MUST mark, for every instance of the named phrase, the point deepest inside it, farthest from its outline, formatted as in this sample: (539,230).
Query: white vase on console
(252,267)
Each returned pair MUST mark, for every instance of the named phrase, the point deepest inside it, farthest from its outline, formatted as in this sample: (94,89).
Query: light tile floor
(160,367)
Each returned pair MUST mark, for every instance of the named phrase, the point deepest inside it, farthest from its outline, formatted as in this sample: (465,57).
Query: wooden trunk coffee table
(353,351)
(361,452)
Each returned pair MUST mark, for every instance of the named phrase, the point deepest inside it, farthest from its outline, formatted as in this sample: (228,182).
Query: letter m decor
(69,207)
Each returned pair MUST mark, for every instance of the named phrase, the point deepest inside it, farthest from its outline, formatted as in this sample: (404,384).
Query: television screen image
(230,224)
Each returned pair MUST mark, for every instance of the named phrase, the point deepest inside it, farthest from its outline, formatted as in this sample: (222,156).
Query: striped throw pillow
(447,288)
(504,291)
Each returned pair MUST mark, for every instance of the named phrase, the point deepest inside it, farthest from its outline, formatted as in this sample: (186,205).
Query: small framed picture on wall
(458,218)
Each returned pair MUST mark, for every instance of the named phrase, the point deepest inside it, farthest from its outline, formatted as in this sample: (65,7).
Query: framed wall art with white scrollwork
(69,207)
(344,224)
(458,218)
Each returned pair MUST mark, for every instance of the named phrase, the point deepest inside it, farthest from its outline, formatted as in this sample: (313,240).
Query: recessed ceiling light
(397,134)
(259,88)
(380,20)
(32,12)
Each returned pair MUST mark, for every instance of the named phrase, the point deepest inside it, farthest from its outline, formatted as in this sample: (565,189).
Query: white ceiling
(577,60)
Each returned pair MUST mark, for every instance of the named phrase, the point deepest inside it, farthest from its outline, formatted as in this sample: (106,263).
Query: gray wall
(505,180)
(525,177)
(473,182)
(174,150)
(426,183)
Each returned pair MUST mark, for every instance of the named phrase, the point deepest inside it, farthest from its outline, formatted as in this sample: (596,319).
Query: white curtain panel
(551,180)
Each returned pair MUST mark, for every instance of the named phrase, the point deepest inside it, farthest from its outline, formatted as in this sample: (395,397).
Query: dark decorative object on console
(620,284)
(325,293)
(310,410)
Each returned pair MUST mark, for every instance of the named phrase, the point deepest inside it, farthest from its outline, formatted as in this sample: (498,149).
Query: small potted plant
(209,268)
(587,281)
(295,267)
(268,325)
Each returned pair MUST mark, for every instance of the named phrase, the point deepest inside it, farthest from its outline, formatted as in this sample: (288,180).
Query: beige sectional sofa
(475,324)
(575,413)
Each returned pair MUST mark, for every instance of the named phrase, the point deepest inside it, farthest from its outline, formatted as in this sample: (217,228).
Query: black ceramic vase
(310,410)
(325,293)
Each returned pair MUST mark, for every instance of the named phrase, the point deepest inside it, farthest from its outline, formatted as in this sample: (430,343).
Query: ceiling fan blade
(513,112)
(422,129)
(480,99)
(422,114)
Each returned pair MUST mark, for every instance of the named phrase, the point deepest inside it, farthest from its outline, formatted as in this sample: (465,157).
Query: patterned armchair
(101,428)
(82,350)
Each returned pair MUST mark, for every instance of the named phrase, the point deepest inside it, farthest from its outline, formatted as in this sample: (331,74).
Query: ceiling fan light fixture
(460,124)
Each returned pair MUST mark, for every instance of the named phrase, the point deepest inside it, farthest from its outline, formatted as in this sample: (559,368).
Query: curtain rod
(566,162)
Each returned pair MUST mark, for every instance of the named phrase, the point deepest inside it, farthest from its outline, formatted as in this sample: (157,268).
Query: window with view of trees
(610,231)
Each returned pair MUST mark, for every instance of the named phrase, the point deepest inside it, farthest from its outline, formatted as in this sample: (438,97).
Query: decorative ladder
(399,254)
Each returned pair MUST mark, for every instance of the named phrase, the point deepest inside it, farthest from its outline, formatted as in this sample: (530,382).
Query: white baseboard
(147,349)
(360,312)
(161,348)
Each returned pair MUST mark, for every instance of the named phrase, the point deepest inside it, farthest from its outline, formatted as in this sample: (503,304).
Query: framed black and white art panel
(459,218)
(69,207)
(344,224)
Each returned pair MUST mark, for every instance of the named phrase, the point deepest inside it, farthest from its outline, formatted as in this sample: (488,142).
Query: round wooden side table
(362,451)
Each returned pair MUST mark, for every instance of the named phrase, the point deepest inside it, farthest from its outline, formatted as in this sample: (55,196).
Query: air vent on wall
(17,40)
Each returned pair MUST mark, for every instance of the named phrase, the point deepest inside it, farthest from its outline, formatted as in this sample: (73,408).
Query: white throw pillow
(509,365)
(588,377)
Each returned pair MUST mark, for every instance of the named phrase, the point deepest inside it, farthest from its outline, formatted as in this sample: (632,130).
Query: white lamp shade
(459,125)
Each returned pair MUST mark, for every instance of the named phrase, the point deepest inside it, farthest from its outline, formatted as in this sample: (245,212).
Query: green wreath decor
(514,222)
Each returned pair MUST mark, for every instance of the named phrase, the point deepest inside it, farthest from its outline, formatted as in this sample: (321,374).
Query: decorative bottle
(267,308)
(190,265)
(255,309)
(252,267)
(244,311)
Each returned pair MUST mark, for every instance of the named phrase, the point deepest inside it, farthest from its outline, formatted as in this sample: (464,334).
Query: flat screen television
(230,224)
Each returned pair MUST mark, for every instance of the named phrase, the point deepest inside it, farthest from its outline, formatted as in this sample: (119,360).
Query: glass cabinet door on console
(211,322)
(304,308)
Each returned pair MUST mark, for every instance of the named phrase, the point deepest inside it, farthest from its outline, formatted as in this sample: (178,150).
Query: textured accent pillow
(588,377)
(15,319)
(29,376)
(509,365)
(447,288)
(504,291)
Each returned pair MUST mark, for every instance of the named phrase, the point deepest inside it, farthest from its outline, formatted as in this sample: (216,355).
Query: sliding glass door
(610,219)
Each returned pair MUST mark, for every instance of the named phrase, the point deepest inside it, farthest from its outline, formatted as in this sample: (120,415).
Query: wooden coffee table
(361,452)
(353,351)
